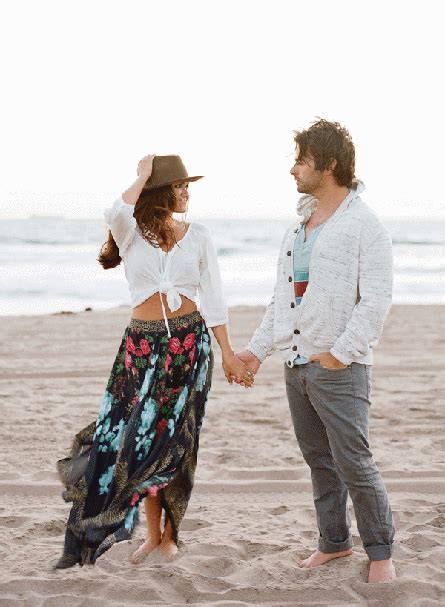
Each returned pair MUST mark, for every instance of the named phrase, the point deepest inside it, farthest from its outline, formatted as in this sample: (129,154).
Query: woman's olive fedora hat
(166,171)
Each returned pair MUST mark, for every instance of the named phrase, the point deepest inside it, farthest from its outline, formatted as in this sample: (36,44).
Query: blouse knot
(174,300)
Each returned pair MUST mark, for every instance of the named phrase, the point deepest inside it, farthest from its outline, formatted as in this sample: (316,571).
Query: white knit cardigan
(349,290)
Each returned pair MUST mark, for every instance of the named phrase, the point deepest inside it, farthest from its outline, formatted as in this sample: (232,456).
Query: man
(332,294)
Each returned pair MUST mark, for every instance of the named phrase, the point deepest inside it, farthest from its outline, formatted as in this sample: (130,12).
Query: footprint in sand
(210,566)
(213,550)
(190,524)
(48,528)
(438,522)
(13,521)
(279,510)
(420,542)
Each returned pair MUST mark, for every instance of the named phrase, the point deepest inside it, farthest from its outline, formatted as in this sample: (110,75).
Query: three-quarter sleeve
(211,298)
(119,218)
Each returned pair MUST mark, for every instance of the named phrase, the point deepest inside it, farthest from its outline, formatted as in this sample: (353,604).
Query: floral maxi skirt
(145,439)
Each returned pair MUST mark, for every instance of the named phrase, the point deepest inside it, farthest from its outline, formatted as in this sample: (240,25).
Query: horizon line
(198,217)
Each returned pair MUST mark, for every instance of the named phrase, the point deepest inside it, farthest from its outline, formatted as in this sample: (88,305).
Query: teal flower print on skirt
(145,439)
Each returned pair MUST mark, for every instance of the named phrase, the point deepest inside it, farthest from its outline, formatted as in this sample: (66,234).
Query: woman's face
(180,190)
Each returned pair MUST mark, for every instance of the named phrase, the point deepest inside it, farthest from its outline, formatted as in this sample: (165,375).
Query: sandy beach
(251,515)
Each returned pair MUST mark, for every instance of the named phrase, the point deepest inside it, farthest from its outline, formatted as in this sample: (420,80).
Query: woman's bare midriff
(151,308)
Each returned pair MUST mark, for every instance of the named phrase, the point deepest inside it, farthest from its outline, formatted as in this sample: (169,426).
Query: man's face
(307,177)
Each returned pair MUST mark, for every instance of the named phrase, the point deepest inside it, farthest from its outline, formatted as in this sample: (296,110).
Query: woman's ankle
(154,537)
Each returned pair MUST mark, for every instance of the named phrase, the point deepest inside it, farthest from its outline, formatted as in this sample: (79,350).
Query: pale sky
(91,86)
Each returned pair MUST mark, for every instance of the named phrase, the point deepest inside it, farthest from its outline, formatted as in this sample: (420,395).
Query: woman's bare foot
(168,549)
(321,558)
(381,571)
(168,546)
(144,550)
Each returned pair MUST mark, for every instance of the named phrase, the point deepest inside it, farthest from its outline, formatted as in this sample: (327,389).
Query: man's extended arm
(375,288)
(261,345)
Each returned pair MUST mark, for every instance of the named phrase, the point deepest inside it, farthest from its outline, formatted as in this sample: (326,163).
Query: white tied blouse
(190,268)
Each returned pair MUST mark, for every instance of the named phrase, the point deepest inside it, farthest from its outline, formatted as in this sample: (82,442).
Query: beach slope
(251,515)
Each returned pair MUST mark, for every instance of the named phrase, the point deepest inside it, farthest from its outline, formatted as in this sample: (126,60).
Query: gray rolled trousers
(330,415)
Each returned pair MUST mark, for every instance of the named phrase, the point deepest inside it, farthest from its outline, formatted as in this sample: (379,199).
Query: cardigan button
(290,279)
(294,348)
(292,305)
(297,332)
(289,253)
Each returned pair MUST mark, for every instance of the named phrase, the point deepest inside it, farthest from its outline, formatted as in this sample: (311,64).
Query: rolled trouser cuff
(328,547)
(380,552)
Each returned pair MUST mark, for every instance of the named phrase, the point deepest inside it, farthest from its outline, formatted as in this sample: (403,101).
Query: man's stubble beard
(309,187)
(305,189)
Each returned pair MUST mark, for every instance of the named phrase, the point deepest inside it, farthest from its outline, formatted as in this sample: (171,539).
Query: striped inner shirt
(302,257)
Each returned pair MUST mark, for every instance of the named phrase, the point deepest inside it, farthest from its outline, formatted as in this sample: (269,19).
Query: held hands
(236,371)
(327,361)
(145,166)
(251,366)
(250,359)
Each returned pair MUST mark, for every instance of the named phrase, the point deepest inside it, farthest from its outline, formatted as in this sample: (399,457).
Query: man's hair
(325,142)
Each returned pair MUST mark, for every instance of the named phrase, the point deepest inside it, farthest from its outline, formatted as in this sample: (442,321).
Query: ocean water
(48,264)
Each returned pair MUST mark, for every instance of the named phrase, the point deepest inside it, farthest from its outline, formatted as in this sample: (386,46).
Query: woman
(145,440)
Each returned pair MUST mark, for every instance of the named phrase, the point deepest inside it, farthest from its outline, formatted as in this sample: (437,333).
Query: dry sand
(251,515)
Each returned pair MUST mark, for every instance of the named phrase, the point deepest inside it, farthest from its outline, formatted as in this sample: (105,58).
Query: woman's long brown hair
(151,211)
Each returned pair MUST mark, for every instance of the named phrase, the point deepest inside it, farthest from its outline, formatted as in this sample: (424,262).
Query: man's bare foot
(321,558)
(381,571)
(144,550)
(168,549)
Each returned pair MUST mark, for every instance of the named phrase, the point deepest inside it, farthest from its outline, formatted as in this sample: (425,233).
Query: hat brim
(161,185)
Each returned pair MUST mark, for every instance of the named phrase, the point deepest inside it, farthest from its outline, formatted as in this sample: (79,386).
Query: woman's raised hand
(236,371)
(144,170)
(145,166)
